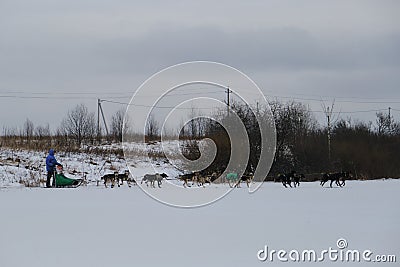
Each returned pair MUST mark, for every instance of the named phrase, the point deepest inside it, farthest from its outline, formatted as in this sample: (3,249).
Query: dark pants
(49,175)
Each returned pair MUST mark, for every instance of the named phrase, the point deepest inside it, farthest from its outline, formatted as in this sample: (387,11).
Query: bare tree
(80,124)
(61,137)
(9,136)
(9,132)
(194,128)
(90,128)
(42,131)
(118,128)
(152,128)
(28,130)
(384,123)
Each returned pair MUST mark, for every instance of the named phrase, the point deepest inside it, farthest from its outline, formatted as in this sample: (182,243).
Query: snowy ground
(94,226)
(21,167)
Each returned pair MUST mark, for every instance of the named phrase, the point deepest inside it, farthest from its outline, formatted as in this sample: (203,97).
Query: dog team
(338,177)
(189,180)
(201,179)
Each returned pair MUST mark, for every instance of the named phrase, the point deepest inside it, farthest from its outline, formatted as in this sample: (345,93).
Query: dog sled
(60,180)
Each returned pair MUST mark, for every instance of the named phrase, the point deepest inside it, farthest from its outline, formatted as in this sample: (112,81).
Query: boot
(48,180)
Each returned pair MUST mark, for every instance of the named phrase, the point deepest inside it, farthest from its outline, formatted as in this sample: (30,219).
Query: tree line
(78,128)
(367,149)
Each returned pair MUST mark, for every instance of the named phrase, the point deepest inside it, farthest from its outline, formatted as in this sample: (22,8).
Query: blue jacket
(51,161)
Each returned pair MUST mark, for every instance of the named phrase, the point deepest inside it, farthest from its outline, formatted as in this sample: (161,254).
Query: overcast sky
(69,52)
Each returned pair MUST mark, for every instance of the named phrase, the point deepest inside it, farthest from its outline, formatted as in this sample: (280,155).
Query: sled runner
(60,180)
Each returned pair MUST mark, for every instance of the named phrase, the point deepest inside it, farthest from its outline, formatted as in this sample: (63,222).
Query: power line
(113,94)
(56,97)
(345,97)
(356,111)
(42,97)
(63,93)
(149,106)
(128,94)
(171,107)
(341,101)
(69,95)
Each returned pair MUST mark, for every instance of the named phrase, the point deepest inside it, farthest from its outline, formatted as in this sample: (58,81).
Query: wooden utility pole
(98,119)
(328,116)
(328,113)
(257,110)
(228,91)
(100,110)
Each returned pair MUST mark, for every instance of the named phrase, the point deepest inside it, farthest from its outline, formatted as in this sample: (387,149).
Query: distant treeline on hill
(367,149)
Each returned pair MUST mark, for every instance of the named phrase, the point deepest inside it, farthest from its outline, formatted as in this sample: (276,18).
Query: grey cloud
(287,48)
(283,49)
(311,47)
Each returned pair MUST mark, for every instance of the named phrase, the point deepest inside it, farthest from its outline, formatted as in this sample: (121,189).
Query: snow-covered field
(19,168)
(95,226)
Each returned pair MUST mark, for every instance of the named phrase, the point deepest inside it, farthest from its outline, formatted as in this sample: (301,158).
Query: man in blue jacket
(51,164)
